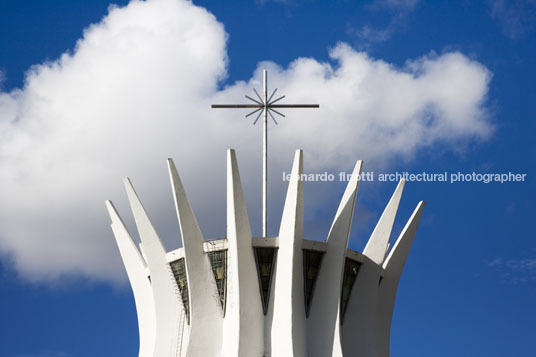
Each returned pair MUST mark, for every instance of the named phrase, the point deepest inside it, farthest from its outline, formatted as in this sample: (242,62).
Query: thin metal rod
(277,100)
(269,99)
(271,116)
(275,111)
(262,106)
(257,118)
(253,112)
(295,106)
(254,100)
(257,93)
(237,106)
(265,156)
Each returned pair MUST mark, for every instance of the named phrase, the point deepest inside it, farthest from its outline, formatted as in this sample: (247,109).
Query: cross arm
(262,106)
(237,106)
(293,106)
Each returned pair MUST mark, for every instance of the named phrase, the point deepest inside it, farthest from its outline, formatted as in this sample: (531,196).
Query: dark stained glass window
(311,266)
(351,267)
(218,261)
(179,272)
(265,258)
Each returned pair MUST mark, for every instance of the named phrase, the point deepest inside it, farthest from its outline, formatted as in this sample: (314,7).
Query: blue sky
(469,286)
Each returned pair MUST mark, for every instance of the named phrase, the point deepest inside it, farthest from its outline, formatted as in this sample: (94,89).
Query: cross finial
(265,106)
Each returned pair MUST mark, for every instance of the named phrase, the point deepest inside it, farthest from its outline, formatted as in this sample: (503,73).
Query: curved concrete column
(205,309)
(360,317)
(393,266)
(377,244)
(288,337)
(243,330)
(141,287)
(324,319)
(166,295)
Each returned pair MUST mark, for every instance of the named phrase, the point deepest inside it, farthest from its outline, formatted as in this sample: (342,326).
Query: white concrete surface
(324,319)
(244,331)
(136,268)
(243,326)
(166,295)
(288,329)
(357,334)
(393,266)
(206,316)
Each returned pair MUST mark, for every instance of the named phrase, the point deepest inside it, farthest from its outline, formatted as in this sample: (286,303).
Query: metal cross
(265,106)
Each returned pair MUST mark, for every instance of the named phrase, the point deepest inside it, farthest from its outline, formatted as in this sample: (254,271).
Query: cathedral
(282,296)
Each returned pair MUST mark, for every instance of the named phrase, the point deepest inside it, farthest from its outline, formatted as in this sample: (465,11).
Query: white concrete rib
(393,266)
(243,329)
(141,287)
(377,244)
(168,304)
(324,318)
(205,309)
(357,332)
(288,337)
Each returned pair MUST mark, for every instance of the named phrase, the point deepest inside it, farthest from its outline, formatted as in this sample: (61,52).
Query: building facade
(272,296)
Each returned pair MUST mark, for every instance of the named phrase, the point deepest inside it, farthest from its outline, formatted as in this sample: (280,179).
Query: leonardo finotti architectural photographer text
(419,177)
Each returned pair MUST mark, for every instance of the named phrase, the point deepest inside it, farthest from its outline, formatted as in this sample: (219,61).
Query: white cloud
(515,271)
(516,17)
(400,5)
(137,89)
(397,12)
(284,2)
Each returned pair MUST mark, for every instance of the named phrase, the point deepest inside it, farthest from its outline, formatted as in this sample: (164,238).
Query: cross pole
(264,106)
